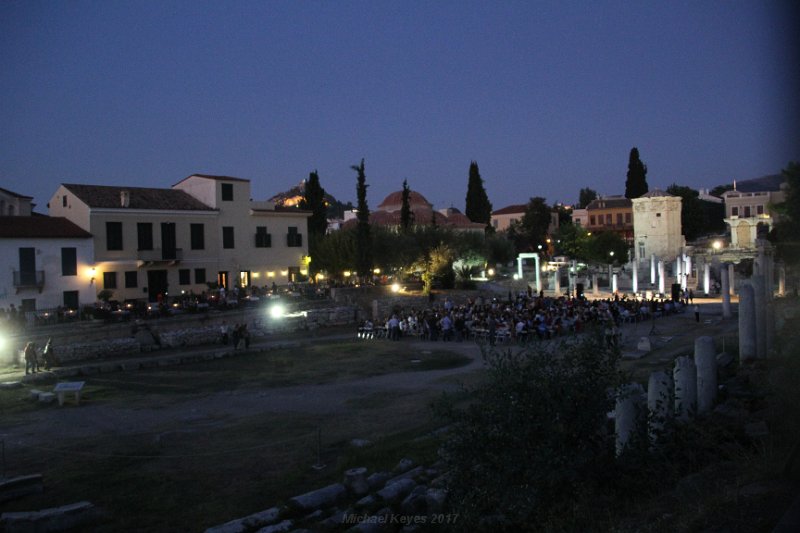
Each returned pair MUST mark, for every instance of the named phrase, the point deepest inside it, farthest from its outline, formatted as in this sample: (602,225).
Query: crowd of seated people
(522,318)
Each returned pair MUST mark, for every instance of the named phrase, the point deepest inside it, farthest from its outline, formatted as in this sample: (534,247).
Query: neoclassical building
(747,209)
(204,229)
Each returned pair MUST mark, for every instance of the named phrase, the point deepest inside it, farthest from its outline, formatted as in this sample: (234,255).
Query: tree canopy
(406,215)
(531,231)
(636,182)
(314,200)
(585,197)
(786,234)
(478,207)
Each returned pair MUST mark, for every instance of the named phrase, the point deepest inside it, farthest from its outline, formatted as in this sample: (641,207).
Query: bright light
(716,245)
(256,275)
(516,276)
(276,311)
(491,272)
(271,274)
(284,272)
(347,273)
(395,287)
(304,272)
(611,253)
(376,271)
(320,275)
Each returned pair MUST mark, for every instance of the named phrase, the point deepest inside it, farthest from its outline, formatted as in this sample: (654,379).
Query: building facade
(747,209)
(205,230)
(45,262)
(611,213)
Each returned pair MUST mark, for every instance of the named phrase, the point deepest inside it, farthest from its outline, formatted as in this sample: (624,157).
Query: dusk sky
(547,97)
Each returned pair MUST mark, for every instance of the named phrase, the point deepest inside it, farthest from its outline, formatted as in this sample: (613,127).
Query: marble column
(782,280)
(595,288)
(661,282)
(725,292)
(706,278)
(557,282)
(626,414)
(732,280)
(760,303)
(747,323)
(705,359)
(685,376)
(659,403)
(614,283)
(652,269)
(635,277)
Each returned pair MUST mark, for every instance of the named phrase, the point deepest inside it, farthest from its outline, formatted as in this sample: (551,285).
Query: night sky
(547,97)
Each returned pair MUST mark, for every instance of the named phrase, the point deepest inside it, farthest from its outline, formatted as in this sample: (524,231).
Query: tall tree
(314,201)
(693,222)
(406,216)
(531,230)
(585,197)
(363,242)
(636,184)
(787,229)
(478,208)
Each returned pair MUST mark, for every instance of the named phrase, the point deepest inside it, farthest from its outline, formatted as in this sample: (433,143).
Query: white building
(657,225)
(747,209)
(45,263)
(205,229)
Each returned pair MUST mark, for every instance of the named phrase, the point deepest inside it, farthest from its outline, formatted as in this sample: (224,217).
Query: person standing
(224,332)
(31,363)
(697,313)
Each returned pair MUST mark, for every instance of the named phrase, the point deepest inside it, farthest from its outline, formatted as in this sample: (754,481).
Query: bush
(534,446)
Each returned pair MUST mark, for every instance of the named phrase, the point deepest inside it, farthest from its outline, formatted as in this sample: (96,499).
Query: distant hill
(771,182)
(293,196)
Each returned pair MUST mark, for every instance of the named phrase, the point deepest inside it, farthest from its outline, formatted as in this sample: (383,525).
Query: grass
(188,475)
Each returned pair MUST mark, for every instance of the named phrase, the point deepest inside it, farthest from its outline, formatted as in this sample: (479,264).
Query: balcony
(159,255)
(33,279)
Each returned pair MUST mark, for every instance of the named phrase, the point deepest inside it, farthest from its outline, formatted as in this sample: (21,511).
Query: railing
(25,279)
(160,254)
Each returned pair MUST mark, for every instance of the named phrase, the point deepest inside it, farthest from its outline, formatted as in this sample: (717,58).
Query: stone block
(355,479)
(47,397)
(403,466)
(318,499)
(248,523)
(20,486)
(644,344)
(394,492)
(280,527)
(67,517)
(378,480)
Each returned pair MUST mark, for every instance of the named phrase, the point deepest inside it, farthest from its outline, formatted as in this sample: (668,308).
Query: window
(658,215)
(294,239)
(641,250)
(609,220)
(263,239)
(113,235)
(747,213)
(591,220)
(184,276)
(64,201)
(71,299)
(109,280)
(735,211)
(619,219)
(198,236)
(199,275)
(227,192)
(131,279)
(145,232)
(69,262)
(227,236)
(627,218)
(759,209)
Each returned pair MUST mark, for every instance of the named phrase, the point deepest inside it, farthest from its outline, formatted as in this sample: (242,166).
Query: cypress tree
(314,201)
(478,208)
(636,183)
(363,240)
(406,216)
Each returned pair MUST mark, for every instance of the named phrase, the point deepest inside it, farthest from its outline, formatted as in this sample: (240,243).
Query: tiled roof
(12,193)
(40,227)
(609,202)
(104,196)
(212,177)
(396,199)
(511,209)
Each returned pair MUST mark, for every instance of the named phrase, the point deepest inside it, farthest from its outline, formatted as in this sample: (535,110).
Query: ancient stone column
(661,281)
(635,277)
(595,288)
(747,323)
(685,376)
(782,280)
(725,292)
(614,283)
(706,278)
(557,282)
(760,303)
(652,269)
(659,403)
(732,280)
(626,414)
(705,359)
